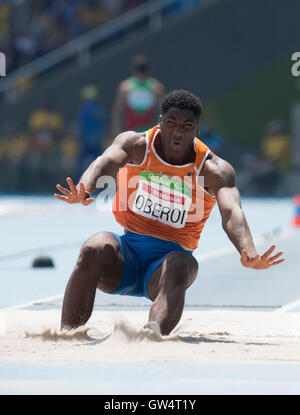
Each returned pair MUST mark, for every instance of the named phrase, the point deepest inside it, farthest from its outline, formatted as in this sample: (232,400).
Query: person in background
(46,126)
(138,99)
(276,145)
(262,172)
(92,14)
(212,139)
(92,126)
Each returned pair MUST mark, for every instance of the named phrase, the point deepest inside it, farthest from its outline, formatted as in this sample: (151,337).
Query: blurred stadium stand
(234,54)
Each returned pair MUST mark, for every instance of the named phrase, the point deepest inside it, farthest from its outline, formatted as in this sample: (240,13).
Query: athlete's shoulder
(218,172)
(133,143)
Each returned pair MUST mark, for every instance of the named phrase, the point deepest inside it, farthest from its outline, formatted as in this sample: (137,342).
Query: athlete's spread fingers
(255,259)
(244,257)
(60,197)
(278,262)
(244,254)
(71,185)
(81,193)
(63,189)
(88,201)
(272,258)
(268,252)
(81,190)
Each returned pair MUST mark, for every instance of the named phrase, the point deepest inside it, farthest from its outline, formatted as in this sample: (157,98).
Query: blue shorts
(142,255)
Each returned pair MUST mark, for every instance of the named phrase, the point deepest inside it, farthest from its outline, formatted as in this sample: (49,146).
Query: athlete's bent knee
(98,251)
(182,268)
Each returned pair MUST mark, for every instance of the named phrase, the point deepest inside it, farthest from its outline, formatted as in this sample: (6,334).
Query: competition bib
(141,100)
(162,198)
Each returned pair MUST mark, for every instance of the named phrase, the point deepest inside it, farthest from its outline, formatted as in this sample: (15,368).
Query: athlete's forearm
(237,229)
(102,166)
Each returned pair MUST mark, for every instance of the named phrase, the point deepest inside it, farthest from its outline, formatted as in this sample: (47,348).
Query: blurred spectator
(16,149)
(45,127)
(276,145)
(261,173)
(137,103)
(45,124)
(69,152)
(92,13)
(5,13)
(212,139)
(31,28)
(64,12)
(24,84)
(92,127)
(257,175)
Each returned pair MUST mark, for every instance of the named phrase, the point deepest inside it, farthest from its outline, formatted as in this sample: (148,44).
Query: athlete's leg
(100,264)
(166,287)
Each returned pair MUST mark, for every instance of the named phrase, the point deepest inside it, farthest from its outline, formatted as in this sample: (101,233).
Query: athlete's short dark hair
(182,99)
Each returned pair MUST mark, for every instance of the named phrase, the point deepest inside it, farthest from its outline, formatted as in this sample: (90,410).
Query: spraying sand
(111,336)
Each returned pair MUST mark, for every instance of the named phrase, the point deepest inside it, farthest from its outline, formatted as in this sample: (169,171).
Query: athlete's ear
(159,120)
(198,130)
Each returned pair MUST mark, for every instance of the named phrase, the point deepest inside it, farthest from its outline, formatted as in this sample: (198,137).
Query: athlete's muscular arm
(127,147)
(219,179)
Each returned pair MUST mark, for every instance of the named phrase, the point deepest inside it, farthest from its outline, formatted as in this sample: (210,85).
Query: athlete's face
(178,129)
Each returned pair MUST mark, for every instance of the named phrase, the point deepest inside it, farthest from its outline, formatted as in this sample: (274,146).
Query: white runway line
(30,303)
(288,233)
(293,306)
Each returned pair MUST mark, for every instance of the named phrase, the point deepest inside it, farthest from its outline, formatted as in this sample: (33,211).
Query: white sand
(111,336)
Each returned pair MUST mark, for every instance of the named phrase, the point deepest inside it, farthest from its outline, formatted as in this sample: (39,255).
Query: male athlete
(168,182)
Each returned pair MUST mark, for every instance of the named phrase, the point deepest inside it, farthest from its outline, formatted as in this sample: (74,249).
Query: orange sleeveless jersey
(162,200)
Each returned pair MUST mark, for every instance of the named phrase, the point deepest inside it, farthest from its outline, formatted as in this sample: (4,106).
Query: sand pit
(118,336)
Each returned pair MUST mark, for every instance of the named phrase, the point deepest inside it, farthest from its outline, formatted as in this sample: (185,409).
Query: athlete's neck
(188,157)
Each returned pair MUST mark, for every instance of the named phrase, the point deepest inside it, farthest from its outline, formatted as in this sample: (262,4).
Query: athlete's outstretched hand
(74,195)
(261,262)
